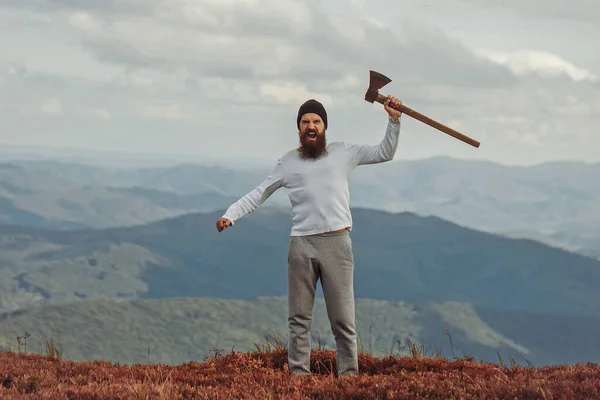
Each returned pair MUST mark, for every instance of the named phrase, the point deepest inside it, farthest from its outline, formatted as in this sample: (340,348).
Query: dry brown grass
(263,374)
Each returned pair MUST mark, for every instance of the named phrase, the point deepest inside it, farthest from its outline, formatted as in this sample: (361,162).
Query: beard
(312,149)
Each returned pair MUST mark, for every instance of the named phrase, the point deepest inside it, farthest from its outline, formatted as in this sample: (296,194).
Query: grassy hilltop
(263,374)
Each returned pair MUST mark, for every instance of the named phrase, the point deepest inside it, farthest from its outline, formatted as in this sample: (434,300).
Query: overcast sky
(225,77)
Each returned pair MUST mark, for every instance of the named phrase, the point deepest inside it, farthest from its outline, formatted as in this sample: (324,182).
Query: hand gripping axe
(378,80)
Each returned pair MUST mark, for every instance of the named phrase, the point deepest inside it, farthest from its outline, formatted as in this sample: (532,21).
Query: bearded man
(317,177)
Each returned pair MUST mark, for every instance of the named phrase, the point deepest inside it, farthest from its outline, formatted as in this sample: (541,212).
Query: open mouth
(311,135)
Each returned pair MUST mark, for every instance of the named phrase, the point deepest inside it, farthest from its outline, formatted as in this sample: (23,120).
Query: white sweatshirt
(318,189)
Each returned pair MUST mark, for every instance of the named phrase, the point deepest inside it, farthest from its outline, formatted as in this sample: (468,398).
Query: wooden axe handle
(381,99)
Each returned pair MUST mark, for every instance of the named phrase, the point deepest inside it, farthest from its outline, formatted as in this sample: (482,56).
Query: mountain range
(506,258)
(400,258)
(555,203)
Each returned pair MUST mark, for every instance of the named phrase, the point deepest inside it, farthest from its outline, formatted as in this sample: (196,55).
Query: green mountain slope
(175,331)
(399,257)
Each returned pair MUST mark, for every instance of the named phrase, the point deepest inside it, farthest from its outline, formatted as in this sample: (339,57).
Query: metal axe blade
(378,80)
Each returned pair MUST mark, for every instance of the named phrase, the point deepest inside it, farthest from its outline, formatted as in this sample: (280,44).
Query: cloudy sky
(226,77)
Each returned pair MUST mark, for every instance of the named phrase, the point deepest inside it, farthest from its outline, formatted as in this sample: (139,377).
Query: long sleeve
(257,196)
(368,154)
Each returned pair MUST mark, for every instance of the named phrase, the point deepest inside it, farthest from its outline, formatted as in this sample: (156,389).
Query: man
(317,177)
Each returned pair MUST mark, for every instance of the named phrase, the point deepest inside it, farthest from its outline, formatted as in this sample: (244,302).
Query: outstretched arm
(255,197)
(386,149)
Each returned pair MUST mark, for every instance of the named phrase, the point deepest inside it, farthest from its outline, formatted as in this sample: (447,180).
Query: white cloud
(292,93)
(16,68)
(349,29)
(84,21)
(98,113)
(548,65)
(51,106)
(348,82)
(164,111)
(581,11)
(193,64)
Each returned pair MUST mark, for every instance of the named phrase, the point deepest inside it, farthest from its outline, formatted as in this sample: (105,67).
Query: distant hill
(557,203)
(399,257)
(183,179)
(176,331)
(38,198)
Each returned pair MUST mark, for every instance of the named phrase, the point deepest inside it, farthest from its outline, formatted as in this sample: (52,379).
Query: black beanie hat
(312,106)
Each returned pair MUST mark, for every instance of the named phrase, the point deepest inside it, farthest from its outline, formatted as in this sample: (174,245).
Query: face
(312,136)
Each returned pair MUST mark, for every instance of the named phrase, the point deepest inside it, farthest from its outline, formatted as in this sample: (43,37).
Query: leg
(302,284)
(337,279)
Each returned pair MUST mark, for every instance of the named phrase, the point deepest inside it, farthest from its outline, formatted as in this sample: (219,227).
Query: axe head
(376,82)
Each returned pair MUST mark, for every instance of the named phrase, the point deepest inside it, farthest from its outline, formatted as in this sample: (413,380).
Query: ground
(264,375)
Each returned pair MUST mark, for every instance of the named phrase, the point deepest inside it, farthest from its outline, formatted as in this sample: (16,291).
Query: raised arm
(252,199)
(368,154)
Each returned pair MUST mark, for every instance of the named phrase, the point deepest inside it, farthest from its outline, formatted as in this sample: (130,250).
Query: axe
(378,80)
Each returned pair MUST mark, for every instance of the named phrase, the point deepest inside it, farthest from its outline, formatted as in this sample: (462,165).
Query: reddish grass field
(264,375)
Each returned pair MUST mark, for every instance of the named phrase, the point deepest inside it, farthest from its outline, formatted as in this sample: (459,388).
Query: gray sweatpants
(328,257)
